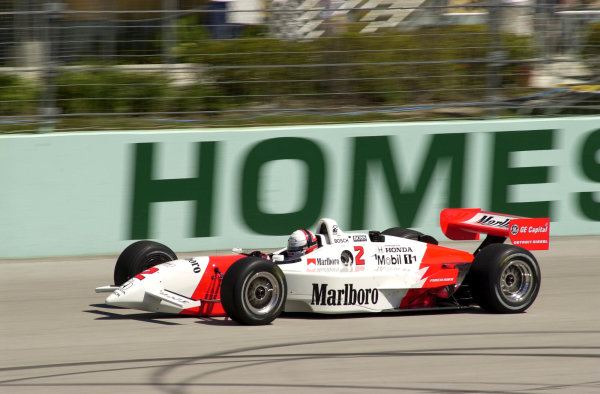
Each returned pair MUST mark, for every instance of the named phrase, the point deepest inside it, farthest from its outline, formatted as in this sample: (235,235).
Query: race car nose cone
(112,299)
(130,295)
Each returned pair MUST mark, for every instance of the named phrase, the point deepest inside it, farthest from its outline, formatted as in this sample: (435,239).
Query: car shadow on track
(151,317)
(105,312)
(441,311)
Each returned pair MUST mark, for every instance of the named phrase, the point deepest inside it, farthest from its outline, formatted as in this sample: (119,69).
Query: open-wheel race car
(335,272)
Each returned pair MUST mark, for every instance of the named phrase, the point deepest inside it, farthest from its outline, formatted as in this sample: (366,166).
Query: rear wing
(468,223)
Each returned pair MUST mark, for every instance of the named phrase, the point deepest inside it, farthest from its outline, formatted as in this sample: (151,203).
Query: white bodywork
(168,289)
(348,273)
(374,277)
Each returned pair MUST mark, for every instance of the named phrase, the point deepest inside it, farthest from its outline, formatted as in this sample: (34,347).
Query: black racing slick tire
(253,291)
(138,257)
(410,234)
(504,278)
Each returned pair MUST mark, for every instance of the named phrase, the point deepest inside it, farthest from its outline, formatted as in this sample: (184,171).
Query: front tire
(138,257)
(504,278)
(253,291)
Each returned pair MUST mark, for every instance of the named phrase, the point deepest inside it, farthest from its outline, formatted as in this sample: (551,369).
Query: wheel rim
(261,293)
(516,281)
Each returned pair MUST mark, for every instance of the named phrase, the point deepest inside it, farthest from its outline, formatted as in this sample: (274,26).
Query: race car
(394,270)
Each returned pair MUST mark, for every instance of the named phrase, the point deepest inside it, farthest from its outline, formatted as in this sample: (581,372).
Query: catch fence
(77,65)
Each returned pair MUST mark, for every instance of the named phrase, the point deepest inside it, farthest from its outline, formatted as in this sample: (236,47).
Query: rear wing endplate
(468,223)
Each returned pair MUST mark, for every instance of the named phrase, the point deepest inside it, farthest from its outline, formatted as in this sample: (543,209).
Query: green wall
(92,193)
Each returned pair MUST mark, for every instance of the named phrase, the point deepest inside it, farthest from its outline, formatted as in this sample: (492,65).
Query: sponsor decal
(395,259)
(359,238)
(335,229)
(323,261)
(532,241)
(340,240)
(173,297)
(124,287)
(530,229)
(348,295)
(514,229)
(388,268)
(442,280)
(533,234)
(539,229)
(195,266)
(398,249)
(494,221)
(332,268)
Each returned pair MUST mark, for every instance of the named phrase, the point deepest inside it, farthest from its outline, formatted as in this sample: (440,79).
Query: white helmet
(300,243)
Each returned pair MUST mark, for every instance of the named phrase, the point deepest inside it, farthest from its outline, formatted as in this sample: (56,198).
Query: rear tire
(253,291)
(410,234)
(138,257)
(504,278)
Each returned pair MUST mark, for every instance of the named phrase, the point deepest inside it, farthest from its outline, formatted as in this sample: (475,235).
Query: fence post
(169,40)
(495,56)
(48,109)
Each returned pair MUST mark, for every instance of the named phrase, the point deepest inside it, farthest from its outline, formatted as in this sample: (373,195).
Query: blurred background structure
(108,64)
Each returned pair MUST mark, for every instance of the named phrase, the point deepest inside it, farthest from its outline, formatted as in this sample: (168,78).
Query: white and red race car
(393,270)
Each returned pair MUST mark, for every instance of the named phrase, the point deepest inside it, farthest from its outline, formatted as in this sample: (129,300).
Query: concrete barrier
(93,193)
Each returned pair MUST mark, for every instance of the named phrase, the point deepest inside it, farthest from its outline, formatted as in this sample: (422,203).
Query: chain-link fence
(77,65)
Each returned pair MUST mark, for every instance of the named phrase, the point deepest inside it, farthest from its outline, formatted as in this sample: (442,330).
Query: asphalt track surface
(57,336)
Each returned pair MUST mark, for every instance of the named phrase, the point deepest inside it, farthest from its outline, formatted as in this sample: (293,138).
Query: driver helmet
(300,243)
